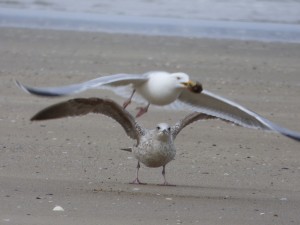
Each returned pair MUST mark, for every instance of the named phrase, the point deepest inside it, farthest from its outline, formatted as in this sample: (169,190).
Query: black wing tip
(43,116)
(295,137)
(126,149)
(37,117)
(42,93)
(34,91)
(33,118)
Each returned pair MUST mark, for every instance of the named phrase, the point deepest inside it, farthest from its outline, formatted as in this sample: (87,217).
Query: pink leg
(128,101)
(142,110)
(136,180)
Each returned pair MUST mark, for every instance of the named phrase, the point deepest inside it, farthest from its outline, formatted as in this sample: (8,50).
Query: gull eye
(158,127)
(169,128)
(178,78)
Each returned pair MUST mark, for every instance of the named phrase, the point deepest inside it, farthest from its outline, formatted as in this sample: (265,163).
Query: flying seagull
(173,90)
(154,148)
(157,88)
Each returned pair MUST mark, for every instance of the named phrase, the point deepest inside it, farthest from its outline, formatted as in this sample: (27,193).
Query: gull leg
(128,101)
(137,181)
(142,110)
(165,180)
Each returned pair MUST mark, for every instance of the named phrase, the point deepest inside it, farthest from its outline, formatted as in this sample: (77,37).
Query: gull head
(183,81)
(163,131)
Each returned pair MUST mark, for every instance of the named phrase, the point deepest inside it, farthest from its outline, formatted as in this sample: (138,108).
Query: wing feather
(98,83)
(193,117)
(83,106)
(212,104)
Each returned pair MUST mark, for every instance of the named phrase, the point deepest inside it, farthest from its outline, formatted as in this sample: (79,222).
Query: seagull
(157,87)
(171,90)
(153,148)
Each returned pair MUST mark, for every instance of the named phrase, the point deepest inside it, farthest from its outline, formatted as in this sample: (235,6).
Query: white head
(163,131)
(182,80)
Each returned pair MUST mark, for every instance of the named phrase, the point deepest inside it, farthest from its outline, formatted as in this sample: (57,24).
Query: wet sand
(223,174)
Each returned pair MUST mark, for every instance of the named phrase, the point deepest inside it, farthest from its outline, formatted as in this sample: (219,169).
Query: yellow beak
(189,84)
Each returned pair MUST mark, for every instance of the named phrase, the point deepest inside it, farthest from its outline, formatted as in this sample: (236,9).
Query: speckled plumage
(154,151)
(154,148)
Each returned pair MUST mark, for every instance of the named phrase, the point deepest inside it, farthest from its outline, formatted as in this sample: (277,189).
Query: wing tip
(35,118)
(37,91)
(126,149)
(294,136)
(21,86)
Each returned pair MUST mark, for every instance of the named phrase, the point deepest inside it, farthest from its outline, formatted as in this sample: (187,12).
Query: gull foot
(142,111)
(137,181)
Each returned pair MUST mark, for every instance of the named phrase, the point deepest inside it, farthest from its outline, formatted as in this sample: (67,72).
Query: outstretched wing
(116,80)
(217,106)
(195,116)
(83,106)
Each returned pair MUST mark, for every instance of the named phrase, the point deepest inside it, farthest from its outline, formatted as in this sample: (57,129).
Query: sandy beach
(223,174)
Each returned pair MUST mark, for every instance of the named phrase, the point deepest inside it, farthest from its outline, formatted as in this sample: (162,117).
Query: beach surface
(223,174)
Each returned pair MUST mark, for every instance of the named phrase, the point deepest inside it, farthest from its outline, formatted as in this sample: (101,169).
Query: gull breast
(159,90)
(154,153)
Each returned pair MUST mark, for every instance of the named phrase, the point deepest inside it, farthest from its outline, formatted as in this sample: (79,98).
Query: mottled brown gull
(172,90)
(154,148)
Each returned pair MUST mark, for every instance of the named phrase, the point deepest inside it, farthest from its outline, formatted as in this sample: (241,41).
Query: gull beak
(165,132)
(193,86)
(163,135)
(189,84)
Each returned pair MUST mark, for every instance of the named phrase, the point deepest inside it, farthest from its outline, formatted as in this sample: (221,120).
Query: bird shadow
(193,191)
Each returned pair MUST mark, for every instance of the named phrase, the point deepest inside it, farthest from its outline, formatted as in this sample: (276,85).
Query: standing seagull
(175,90)
(154,148)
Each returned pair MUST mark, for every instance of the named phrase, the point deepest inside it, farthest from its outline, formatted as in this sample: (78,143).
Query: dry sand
(224,174)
